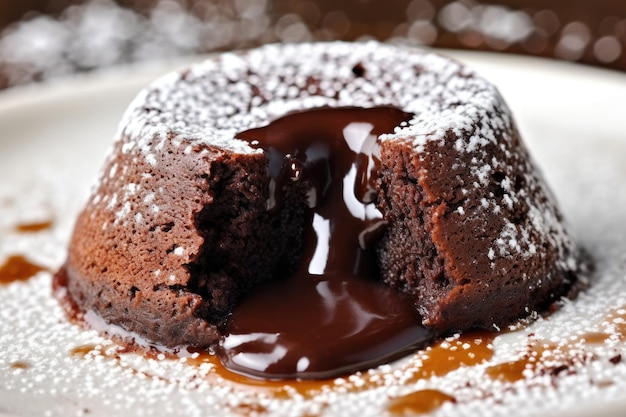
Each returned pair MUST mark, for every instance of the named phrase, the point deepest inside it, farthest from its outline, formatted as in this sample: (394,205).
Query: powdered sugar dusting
(210,102)
(214,100)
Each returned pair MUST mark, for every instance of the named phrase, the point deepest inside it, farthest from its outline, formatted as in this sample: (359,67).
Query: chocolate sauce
(34,227)
(21,365)
(18,268)
(469,349)
(418,402)
(548,358)
(528,364)
(83,350)
(331,316)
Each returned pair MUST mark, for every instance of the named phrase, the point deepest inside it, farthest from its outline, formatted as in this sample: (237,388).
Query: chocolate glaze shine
(331,316)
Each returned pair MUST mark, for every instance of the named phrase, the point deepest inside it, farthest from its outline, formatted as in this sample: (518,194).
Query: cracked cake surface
(177,227)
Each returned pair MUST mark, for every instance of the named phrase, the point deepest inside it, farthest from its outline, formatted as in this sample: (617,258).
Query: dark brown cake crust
(440,238)
(234,239)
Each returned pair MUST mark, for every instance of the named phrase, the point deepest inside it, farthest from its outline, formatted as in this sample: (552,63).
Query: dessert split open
(306,211)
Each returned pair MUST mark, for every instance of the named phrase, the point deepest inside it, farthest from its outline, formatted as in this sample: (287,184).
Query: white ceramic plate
(54,137)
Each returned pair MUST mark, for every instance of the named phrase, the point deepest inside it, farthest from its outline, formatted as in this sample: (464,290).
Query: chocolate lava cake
(185,217)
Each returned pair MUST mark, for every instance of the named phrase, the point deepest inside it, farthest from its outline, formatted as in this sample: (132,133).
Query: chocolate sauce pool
(331,316)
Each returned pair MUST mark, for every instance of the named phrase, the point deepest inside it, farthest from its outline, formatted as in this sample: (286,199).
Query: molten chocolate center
(331,316)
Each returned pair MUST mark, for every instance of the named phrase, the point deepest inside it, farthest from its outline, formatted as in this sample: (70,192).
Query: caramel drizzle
(18,268)
(34,227)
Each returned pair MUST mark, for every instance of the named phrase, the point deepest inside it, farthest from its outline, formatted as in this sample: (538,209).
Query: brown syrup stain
(543,358)
(594,338)
(518,369)
(84,350)
(509,371)
(18,268)
(554,359)
(279,389)
(451,354)
(468,349)
(418,402)
(249,410)
(20,365)
(34,227)
(114,353)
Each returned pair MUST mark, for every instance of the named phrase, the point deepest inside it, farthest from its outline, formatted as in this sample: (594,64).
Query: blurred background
(43,39)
